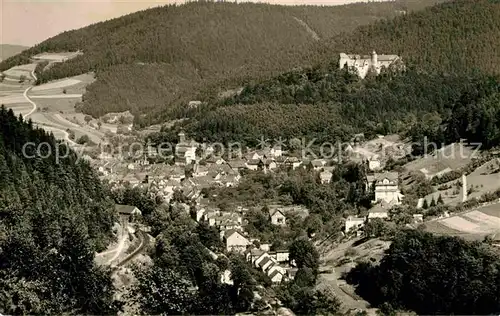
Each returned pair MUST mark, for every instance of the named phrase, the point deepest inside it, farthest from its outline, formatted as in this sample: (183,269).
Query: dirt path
(309,30)
(25,94)
(121,245)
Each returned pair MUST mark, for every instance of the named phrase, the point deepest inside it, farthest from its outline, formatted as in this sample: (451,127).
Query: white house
(258,256)
(293,162)
(127,213)
(254,164)
(387,188)
(281,255)
(277,217)
(374,163)
(378,211)
(235,241)
(354,223)
(265,263)
(418,218)
(325,176)
(276,276)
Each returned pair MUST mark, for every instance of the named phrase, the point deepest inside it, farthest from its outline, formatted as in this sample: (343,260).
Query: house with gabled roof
(265,263)
(253,156)
(277,275)
(293,162)
(236,241)
(353,223)
(127,213)
(316,164)
(237,164)
(387,188)
(380,210)
(215,160)
(255,164)
(325,176)
(278,218)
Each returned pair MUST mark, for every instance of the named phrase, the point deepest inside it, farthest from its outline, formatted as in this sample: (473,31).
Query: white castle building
(362,64)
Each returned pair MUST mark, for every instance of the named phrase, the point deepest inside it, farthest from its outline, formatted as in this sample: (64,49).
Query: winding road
(25,95)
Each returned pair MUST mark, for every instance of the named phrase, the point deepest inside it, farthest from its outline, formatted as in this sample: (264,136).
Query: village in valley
(432,193)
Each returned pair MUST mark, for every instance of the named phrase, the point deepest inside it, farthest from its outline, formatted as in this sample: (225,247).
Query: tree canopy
(54,215)
(432,275)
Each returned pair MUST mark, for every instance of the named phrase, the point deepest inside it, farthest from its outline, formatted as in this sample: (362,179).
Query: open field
(56,57)
(56,85)
(18,71)
(11,99)
(451,157)
(482,180)
(56,104)
(20,108)
(471,225)
(381,147)
(57,96)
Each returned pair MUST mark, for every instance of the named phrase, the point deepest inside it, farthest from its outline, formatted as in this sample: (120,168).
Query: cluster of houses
(196,166)
(385,186)
(274,264)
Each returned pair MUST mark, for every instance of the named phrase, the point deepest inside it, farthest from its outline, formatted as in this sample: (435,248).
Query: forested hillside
(454,37)
(153,59)
(328,104)
(434,97)
(432,276)
(53,216)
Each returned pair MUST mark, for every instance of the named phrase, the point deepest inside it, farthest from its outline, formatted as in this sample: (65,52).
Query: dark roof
(264,261)
(276,210)
(317,163)
(392,176)
(125,209)
(274,273)
(254,162)
(237,163)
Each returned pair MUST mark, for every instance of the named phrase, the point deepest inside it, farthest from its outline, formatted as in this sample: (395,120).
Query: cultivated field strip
(461,224)
(56,85)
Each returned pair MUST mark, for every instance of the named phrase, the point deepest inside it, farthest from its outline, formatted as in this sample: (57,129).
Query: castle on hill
(361,64)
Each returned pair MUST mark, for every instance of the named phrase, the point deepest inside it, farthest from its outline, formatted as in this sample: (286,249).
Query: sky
(28,22)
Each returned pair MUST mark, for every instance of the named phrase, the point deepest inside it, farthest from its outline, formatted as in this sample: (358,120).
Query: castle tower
(374,59)
(464,188)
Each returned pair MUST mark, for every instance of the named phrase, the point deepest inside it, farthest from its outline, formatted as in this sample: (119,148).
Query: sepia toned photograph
(234,157)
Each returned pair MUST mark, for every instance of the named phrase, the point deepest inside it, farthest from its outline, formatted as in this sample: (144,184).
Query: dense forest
(432,275)
(54,214)
(149,61)
(328,104)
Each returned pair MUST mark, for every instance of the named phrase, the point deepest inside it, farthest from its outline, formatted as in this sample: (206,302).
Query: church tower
(182,137)
(374,59)
(464,188)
